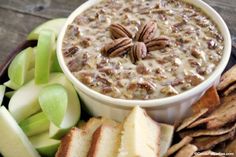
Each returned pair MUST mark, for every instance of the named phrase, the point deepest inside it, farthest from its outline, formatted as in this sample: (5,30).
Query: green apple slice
(55,65)
(13,140)
(30,75)
(24,102)
(53,100)
(18,68)
(44,55)
(2,92)
(55,25)
(44,145)
(35,124)
(11,85)
(72,115)
(9,94)
(167,132)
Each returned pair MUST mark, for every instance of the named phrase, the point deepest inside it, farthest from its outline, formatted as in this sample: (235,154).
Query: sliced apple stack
(43,104)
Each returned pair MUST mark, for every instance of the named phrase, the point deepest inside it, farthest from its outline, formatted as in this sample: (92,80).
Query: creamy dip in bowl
(161,55)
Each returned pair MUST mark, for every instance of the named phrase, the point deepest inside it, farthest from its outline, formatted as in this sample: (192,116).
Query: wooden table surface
(19,17)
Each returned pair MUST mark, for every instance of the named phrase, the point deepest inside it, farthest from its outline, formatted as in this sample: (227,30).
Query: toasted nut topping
(157,43)
(117,47)
(138,52)
(119,31)
(147,32)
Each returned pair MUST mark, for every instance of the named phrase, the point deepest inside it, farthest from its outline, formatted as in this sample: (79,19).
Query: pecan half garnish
(144,42)
(138,52)
(119,31)
(117,47)
(147,32)
(157,43)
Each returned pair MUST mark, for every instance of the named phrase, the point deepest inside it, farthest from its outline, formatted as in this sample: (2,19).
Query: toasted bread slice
(140,136)
(73,144)
(105,142)
(78,141)
(94,123)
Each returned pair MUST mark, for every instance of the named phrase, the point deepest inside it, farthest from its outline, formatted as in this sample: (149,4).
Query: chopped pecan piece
(73,65)
(108,71)
(177,82)
(157,43)
(197,53)
(117,47)
(138,52)
(119,31)
(142,69)
(147,85)
(106,89)
(86,42)
(147,32)
(194,79)
(212,44)
(86,77)
(71,51)
(103,80)
(169,91)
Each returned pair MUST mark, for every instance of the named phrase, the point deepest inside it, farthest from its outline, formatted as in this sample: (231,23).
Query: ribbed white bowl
(164,109)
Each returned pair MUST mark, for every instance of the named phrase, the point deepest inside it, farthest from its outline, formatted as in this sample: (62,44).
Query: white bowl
(167,109)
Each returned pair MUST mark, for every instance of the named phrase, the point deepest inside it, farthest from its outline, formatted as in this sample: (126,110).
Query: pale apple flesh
(35,124)
(13,140)
(23,108)
(44,145)
(2,92)
(72,114)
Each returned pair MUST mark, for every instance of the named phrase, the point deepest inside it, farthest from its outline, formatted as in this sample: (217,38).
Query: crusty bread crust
(95,140)
(64,147)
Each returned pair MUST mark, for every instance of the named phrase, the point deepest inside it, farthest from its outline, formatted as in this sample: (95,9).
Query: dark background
(19,17)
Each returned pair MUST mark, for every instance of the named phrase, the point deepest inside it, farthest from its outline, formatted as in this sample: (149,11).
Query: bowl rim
(152,102)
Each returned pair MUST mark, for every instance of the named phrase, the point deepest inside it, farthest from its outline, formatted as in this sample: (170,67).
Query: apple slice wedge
(9,94)
(44,145)
(53,100)
(54,25)
(44,56)
(35,124)
(55,65)
(72,114)
(13,140)
(2,93)
(24,102)
(19,67)
(11,85)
